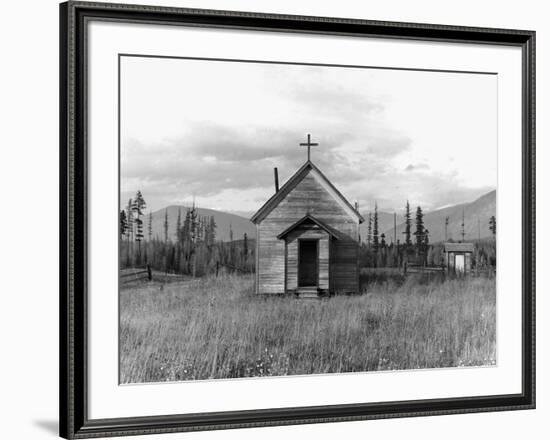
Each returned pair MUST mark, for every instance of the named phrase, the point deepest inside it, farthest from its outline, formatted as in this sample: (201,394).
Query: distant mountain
(239,224)
(481,209)
(385,222)
(476,221)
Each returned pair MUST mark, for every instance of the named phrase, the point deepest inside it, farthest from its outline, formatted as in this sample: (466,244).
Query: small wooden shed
(307,238)
(458,257)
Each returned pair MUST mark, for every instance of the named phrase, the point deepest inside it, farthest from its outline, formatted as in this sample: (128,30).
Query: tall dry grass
(217,328)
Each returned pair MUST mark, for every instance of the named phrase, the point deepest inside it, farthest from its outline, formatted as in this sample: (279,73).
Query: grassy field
(217,328)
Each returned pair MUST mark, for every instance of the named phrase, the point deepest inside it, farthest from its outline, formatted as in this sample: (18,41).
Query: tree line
(193,250)
(415,248)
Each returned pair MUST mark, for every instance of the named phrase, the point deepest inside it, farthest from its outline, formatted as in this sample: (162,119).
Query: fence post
(149,274)
(217,267)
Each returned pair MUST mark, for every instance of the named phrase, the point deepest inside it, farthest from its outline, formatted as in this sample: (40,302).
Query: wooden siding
(308,197)
(292,265)
(324,267)
(344,266)
(271,259)
(257,261)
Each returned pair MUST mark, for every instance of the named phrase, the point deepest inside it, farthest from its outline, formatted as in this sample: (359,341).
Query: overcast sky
(216,129)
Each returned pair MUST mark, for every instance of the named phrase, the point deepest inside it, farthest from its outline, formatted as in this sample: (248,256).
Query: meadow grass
(214,328)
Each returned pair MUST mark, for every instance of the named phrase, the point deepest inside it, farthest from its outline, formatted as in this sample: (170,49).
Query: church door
(307,263)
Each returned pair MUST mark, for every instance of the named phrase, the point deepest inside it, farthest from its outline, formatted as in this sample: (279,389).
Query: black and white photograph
(281,219)
(243,220)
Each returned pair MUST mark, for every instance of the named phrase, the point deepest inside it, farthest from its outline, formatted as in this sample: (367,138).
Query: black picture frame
(74,421)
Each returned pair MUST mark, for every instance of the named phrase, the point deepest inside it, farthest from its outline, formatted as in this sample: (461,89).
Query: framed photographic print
(271,219)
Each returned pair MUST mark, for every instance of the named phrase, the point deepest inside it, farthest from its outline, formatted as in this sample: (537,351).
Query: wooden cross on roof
(308,144)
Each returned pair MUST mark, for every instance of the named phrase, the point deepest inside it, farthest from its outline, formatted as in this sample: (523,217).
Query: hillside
(385,223)
(479,210)
(482,209)
(239,224)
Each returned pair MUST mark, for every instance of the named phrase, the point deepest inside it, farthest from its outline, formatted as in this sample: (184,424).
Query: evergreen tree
(369,230)
(375,228)
(123,224)
(446,226)
(186,229)
(245,247)
(493,225)
(165,226)
(211,231)
(419,233)
(130,220)
(383,241)
(231,245)
(138,207)
(202,229)
(129,233)
(407,232)
(179,236)
(150,226)
(193,226)
(193,223)
(463,231)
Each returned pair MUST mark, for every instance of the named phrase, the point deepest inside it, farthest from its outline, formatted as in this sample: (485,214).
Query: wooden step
(308,292)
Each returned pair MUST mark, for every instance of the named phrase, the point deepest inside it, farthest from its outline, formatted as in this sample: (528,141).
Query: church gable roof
(459,247)
(291,184)
(310,219)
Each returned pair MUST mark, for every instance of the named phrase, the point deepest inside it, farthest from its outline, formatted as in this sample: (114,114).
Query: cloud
(220,142)
(430,191)
(245,143)
(417,167)
(326,98)
(168,173)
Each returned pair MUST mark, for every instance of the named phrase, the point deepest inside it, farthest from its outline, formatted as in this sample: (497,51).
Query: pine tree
(130,220)
(200,231)
(383,241)
(193,238)
(186,229)
(129,232)
(178,227)
(231,245)
(138,207)
(407,232)
(193,223)
(493,225)
(245,247)
(166,225)
(150,226)
(375,228)
(369,231)
(446,226)
(123,224)
(212,231)
(419,233)
(463,231)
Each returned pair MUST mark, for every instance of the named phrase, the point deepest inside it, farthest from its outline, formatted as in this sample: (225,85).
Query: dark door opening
(307,263)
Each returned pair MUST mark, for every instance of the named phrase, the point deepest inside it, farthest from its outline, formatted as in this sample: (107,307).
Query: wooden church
(307,239)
